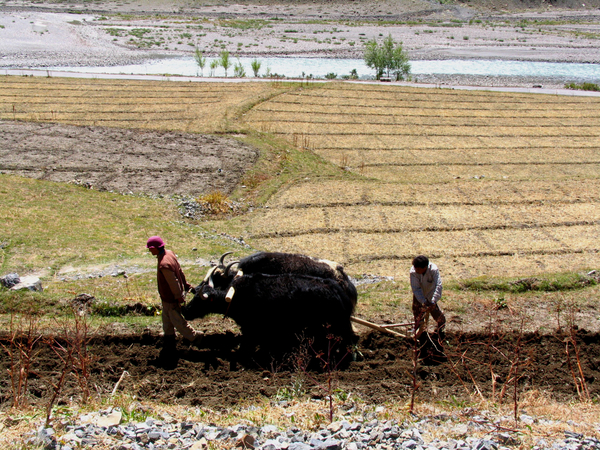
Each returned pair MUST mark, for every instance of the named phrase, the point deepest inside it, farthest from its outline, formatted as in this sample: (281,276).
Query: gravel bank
(34,38)
(476,431)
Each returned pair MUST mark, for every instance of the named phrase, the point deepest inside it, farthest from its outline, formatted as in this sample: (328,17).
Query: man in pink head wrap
(172,287)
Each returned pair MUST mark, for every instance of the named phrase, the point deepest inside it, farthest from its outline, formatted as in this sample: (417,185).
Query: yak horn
(221,263)
(230,294)
(209,274)
(229,267)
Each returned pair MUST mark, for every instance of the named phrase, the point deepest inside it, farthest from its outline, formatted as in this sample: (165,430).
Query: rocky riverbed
(114,33)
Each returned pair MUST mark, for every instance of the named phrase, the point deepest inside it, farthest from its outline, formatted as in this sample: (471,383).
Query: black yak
(280,314)
(276,263)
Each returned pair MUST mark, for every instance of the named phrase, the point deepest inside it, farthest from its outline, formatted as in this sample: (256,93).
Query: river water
(320,67)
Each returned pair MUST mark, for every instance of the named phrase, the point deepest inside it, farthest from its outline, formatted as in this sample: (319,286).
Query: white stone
(29,282)
(110,420)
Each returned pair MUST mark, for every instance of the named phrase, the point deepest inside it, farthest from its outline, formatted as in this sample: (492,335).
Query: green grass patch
(583,86)
(244,24)
(115,31)
(545,283)
(386,298)
(139,32)
(47,226)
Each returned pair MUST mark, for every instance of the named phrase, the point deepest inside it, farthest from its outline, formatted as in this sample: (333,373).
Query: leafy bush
(583,87)
(139,32)
(387,57)
(255,64)
(238,70)
(216,203)
(115,31)
(107,309)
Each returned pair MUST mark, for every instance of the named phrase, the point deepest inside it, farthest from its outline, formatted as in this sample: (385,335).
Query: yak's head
(209,299)
(219,276)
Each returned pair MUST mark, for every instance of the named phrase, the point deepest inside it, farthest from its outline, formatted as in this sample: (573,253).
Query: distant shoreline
(34,37)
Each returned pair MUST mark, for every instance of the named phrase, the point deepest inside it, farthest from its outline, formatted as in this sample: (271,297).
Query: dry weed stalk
(79,337)
(518,363)
(19,346)
(64,354)
(301,141)
(329,367)
(516,376)
(452,366)
(344,161)
(413,375)
(71,349)
(489,345)
(571,339)
(558,309)
(464,360)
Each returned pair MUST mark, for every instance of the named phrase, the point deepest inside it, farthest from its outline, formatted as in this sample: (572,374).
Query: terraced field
(486,183)
(154,105)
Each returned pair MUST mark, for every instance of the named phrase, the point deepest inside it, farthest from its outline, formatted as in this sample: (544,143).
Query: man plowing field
(426,285)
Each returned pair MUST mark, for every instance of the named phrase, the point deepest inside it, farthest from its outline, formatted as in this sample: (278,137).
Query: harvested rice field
(496,184)
(153,105)
(486,183)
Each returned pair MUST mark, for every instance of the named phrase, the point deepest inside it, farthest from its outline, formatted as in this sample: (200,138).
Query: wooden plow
(386,328)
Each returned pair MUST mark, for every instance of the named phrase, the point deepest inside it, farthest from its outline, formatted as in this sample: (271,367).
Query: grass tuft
(546,283)
(583,87)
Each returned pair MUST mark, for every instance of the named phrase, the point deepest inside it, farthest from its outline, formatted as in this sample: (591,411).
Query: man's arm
(173,284)
(415,284)
(437,281)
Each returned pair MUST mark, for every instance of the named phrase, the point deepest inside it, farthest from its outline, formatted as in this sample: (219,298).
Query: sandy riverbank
(121,33)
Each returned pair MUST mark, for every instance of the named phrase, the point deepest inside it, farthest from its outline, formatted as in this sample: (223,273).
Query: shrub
(583,87)
(387,57)
(255,64)
(200,59)
(238,70)
(216,203)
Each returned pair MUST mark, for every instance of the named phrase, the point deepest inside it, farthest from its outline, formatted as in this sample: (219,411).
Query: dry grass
(153,105)
(486,183)
(445,420)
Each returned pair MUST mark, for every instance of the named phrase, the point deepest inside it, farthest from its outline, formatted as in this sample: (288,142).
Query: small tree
(238,70)
(225,63)
(213,66)
(200,60)
(387,57)
(255,64)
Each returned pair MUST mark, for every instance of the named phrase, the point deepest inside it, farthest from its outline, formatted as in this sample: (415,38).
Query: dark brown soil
(212,378)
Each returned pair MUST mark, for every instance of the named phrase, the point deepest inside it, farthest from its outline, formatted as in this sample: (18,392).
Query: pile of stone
(16,283)
(105,429)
